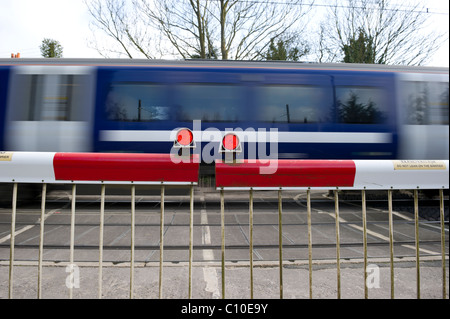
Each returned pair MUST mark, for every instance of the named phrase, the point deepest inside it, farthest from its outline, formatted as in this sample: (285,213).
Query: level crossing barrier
(334,175)
(245,175)
(97,168)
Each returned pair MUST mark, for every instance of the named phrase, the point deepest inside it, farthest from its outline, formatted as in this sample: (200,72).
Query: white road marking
(24,229)
(370,232)
(209,273)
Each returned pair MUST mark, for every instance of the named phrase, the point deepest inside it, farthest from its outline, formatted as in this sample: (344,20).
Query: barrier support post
(308,208)
(222,226)
(391,242)
(280,240)
(133,230)
(191,237)
(12,241)
(250,223)
(100,246)
(161,244)
(364,221)
(444,274)
(41,239)
(72,239)
(416,225)
(338,248)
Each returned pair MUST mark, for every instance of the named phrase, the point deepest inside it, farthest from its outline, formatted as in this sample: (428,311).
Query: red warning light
(185,137)
(230,142)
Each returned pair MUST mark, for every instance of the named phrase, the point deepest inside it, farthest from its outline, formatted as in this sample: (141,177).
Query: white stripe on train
(215,135)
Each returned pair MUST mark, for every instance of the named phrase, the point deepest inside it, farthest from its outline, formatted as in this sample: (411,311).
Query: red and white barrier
(35,167)
(328,174)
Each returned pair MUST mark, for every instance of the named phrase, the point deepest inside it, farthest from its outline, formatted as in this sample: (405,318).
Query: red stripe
(289,173)
(123,167)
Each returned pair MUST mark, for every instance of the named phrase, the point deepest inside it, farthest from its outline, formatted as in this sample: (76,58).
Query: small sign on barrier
(418,165)
(6,156)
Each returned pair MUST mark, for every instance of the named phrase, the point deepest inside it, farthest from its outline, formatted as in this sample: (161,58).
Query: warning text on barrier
(419,165)
(6,156)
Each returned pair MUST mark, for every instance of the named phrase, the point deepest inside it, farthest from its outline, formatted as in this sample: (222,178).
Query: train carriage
(307,110)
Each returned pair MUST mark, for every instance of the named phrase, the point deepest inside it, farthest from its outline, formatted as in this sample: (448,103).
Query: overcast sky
(25,23)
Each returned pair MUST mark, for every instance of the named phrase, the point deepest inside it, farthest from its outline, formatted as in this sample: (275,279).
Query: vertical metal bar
(222,226)
(444,276)
(251,241)
(100,245)
(191,238)
(280,240)
(364,221)
(72,236)
(41,240)
(338,250)
(161,244)
(416,224)
(308,205)
(133,229)
(391,241)
(12,241)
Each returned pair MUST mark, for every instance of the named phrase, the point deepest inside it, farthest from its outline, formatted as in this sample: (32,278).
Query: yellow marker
(419,165)
(6,156)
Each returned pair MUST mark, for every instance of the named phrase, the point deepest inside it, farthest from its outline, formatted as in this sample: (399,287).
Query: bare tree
(247,27)
(119,22)
(398,31)
(225,29)
(184,25)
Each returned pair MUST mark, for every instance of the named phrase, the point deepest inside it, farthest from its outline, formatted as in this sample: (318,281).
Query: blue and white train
(317,111)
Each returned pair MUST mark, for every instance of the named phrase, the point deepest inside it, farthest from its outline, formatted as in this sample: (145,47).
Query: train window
(210,102)
(48,97)
(426,103)
(291,104)
(137,102)
(361,105)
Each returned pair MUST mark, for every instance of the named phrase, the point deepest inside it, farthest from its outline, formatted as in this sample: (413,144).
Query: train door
(49,109)
(423,104)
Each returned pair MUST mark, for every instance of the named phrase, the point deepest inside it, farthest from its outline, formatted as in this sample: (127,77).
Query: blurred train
(316,111)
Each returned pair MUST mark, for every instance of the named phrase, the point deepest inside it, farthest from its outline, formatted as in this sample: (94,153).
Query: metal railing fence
(56,168)
(392,258)
(337,175)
